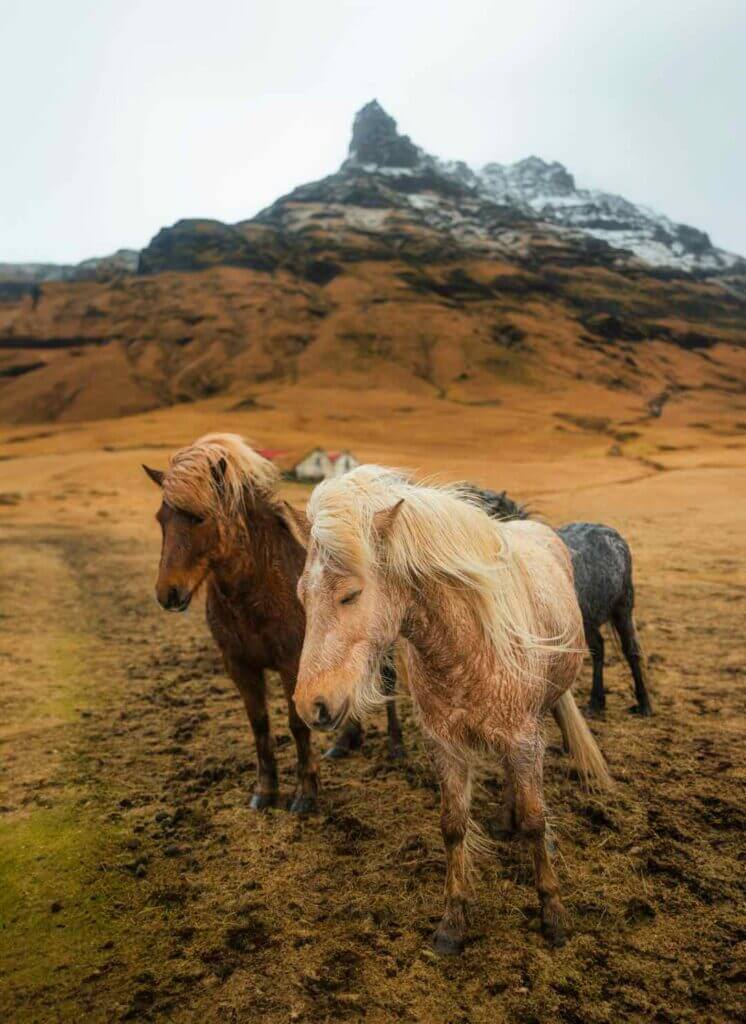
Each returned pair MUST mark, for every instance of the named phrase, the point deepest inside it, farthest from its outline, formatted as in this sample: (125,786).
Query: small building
(342,462)
(314,466)
(320,465)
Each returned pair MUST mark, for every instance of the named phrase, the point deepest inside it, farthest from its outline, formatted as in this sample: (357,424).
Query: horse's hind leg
(351,738)
(524,764)
(397,750)
(595,641)
(455,799)
(305,800)
(505,825)
(624,623)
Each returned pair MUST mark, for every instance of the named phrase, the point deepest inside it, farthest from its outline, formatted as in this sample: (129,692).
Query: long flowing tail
(579,740)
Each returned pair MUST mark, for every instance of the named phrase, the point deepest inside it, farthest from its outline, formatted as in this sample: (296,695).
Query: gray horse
(602,564)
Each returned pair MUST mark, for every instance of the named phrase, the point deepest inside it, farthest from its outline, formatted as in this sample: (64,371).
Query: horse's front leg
(250,683)
(305,799)
(455,799)
(524,765)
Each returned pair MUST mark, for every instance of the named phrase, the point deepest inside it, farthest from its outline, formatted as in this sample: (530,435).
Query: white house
(342,462)
(321,465)
(314,467)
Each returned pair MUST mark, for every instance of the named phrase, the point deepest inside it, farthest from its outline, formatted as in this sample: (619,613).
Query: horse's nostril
(321,713)
(173,598)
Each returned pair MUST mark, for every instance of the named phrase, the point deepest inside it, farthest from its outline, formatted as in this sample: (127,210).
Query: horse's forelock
(214,475)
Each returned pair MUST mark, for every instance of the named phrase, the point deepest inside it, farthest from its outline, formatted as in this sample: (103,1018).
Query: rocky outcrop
(375,140)
(196,244)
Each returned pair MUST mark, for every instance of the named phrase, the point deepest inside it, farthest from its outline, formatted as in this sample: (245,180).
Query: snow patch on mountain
(538,189)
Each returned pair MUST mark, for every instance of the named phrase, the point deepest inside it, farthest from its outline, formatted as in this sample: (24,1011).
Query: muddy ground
(137,884)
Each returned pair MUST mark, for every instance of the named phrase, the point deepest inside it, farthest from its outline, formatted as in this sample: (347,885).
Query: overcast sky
(120,116)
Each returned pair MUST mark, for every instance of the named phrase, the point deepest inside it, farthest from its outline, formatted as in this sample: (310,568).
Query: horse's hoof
(261,801)
(555,936)
(595,711)
(304,804)
(336,752)
(644,710)
(447,945)
(397,752)
(497,829)
(554,928)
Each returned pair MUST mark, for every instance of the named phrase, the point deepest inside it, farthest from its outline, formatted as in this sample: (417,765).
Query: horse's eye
(351,597)
(193,519)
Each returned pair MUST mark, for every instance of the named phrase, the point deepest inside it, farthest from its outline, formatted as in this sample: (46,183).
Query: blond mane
(441,534)
(215,476)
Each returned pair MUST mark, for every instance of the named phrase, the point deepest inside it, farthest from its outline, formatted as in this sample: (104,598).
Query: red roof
(271,453)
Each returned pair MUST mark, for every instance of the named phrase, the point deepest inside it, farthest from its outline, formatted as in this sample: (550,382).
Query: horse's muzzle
(323,718)
(175,599)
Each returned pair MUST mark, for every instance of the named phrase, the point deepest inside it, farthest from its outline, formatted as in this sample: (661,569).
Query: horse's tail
(579,740)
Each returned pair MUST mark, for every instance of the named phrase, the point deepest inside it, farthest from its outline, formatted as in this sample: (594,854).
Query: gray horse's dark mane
(498,504)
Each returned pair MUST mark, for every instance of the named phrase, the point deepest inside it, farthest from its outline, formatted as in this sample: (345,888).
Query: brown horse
(224,525)
(492,637)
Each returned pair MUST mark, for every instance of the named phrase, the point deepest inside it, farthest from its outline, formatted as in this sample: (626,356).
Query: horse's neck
(448,641)
(261,556)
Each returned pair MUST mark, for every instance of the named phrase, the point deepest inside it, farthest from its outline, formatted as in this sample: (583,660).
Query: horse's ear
(297,523)
(156,475)
(384,519)
(218,472)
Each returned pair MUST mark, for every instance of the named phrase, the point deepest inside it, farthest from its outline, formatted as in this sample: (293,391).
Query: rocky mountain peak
(375,140)
(533,172)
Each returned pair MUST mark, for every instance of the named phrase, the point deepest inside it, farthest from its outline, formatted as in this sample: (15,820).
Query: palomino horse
(492,640)
(602,571)
(224,525)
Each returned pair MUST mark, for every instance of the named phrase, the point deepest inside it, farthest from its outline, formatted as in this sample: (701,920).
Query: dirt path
(136,884)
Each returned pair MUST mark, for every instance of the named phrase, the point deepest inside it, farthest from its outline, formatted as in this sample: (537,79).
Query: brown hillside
(462,331)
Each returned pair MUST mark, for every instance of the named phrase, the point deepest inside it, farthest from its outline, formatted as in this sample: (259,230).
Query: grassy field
(135,883)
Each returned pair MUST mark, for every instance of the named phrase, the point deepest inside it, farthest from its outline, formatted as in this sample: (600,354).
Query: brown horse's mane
(216,476)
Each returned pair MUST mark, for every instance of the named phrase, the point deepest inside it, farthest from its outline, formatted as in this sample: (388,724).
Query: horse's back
(539,545)
(602,564)
(550,570)
(550,575)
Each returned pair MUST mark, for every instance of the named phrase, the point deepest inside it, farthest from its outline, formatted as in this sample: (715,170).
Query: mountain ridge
(401,273)
(529,189)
